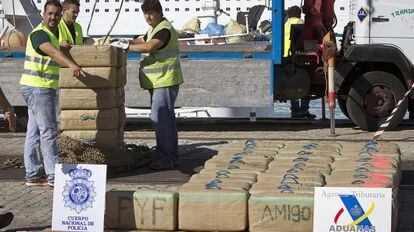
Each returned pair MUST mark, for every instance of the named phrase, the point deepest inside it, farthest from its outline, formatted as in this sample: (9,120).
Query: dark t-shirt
(164,35)
(38,38)
(72,31)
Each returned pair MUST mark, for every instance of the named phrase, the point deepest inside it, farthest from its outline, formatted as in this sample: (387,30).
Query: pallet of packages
(92,107)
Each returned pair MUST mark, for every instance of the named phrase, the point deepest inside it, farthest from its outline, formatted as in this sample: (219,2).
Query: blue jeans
(303,107)
(42,132)
(163,121)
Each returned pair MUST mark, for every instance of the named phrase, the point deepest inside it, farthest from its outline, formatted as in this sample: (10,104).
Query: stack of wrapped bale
(216,198)
(375,165)
(92,107)
(282,197)
(145,208)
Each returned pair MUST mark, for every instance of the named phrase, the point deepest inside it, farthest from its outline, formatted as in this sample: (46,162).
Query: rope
(116,20)
(90,21)
(12,163)
(384,126)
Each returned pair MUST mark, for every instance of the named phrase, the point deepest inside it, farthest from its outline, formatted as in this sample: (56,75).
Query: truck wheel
(373,97)
(342,105)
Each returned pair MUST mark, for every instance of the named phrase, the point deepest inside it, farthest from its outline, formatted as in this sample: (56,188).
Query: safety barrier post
(331,91)
(329,50)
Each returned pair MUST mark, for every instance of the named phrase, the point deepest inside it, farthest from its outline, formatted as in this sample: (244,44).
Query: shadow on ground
(193,156)
(29,229)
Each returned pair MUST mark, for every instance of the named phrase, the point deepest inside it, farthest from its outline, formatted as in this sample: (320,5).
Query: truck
(373,68)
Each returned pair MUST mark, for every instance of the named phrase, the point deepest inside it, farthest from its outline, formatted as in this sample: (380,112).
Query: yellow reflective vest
(288,26)
(64,33)
(161,68)
(39,70)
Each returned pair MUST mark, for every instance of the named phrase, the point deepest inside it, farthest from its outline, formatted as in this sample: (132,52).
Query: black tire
(372,98)
(342,105)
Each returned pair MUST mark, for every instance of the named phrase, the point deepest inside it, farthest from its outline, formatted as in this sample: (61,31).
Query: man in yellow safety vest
(39,83)
(70,32)
(294,17)
(160,73)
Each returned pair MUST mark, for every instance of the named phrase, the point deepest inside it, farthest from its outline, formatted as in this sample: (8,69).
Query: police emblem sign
(352,209)
(79,197)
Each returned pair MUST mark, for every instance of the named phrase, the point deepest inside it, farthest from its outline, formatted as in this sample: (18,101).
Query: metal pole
(14,15)
(323,108)
(246,16)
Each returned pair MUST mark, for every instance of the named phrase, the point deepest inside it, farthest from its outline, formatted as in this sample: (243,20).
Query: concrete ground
(199,141)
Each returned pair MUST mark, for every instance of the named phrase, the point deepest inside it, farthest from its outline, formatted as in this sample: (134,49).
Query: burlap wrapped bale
(385,164)
(305,159)
(287,164)
(270,153)
(359,184)
(85,99)
(120,93)
(121,116)
(225,174)
(102,138)
(253,155)
(269,143)
(380,146)
(231,171)
(298,169)
(281,212)
(323,155)
(394,158)
(96,77)
(90,119)
(243,157)
(208,178)
(315,179)
(95,56)
(255,143)
(122,77)
(214,166)
(312,146)
(122,58)
(212,209)
(143,209)
(275,188)
(120,212)
(121,136)
(337,179)
(213,185)
(239,163)
(361,169)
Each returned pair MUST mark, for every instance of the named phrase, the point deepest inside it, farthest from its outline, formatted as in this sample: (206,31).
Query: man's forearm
(143,48)
(61,59)
(139,40)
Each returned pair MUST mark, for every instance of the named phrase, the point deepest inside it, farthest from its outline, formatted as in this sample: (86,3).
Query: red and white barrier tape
(394,111)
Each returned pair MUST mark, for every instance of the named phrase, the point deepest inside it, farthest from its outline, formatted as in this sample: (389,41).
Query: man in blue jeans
(39,83)
(160,73)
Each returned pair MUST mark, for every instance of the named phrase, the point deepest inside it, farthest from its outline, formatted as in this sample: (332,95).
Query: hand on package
(77,71)
(119,43)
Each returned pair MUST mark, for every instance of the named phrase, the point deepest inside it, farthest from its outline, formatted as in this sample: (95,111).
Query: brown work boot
(37,182)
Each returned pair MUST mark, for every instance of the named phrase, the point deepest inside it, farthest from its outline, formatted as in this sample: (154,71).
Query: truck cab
(375,66)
